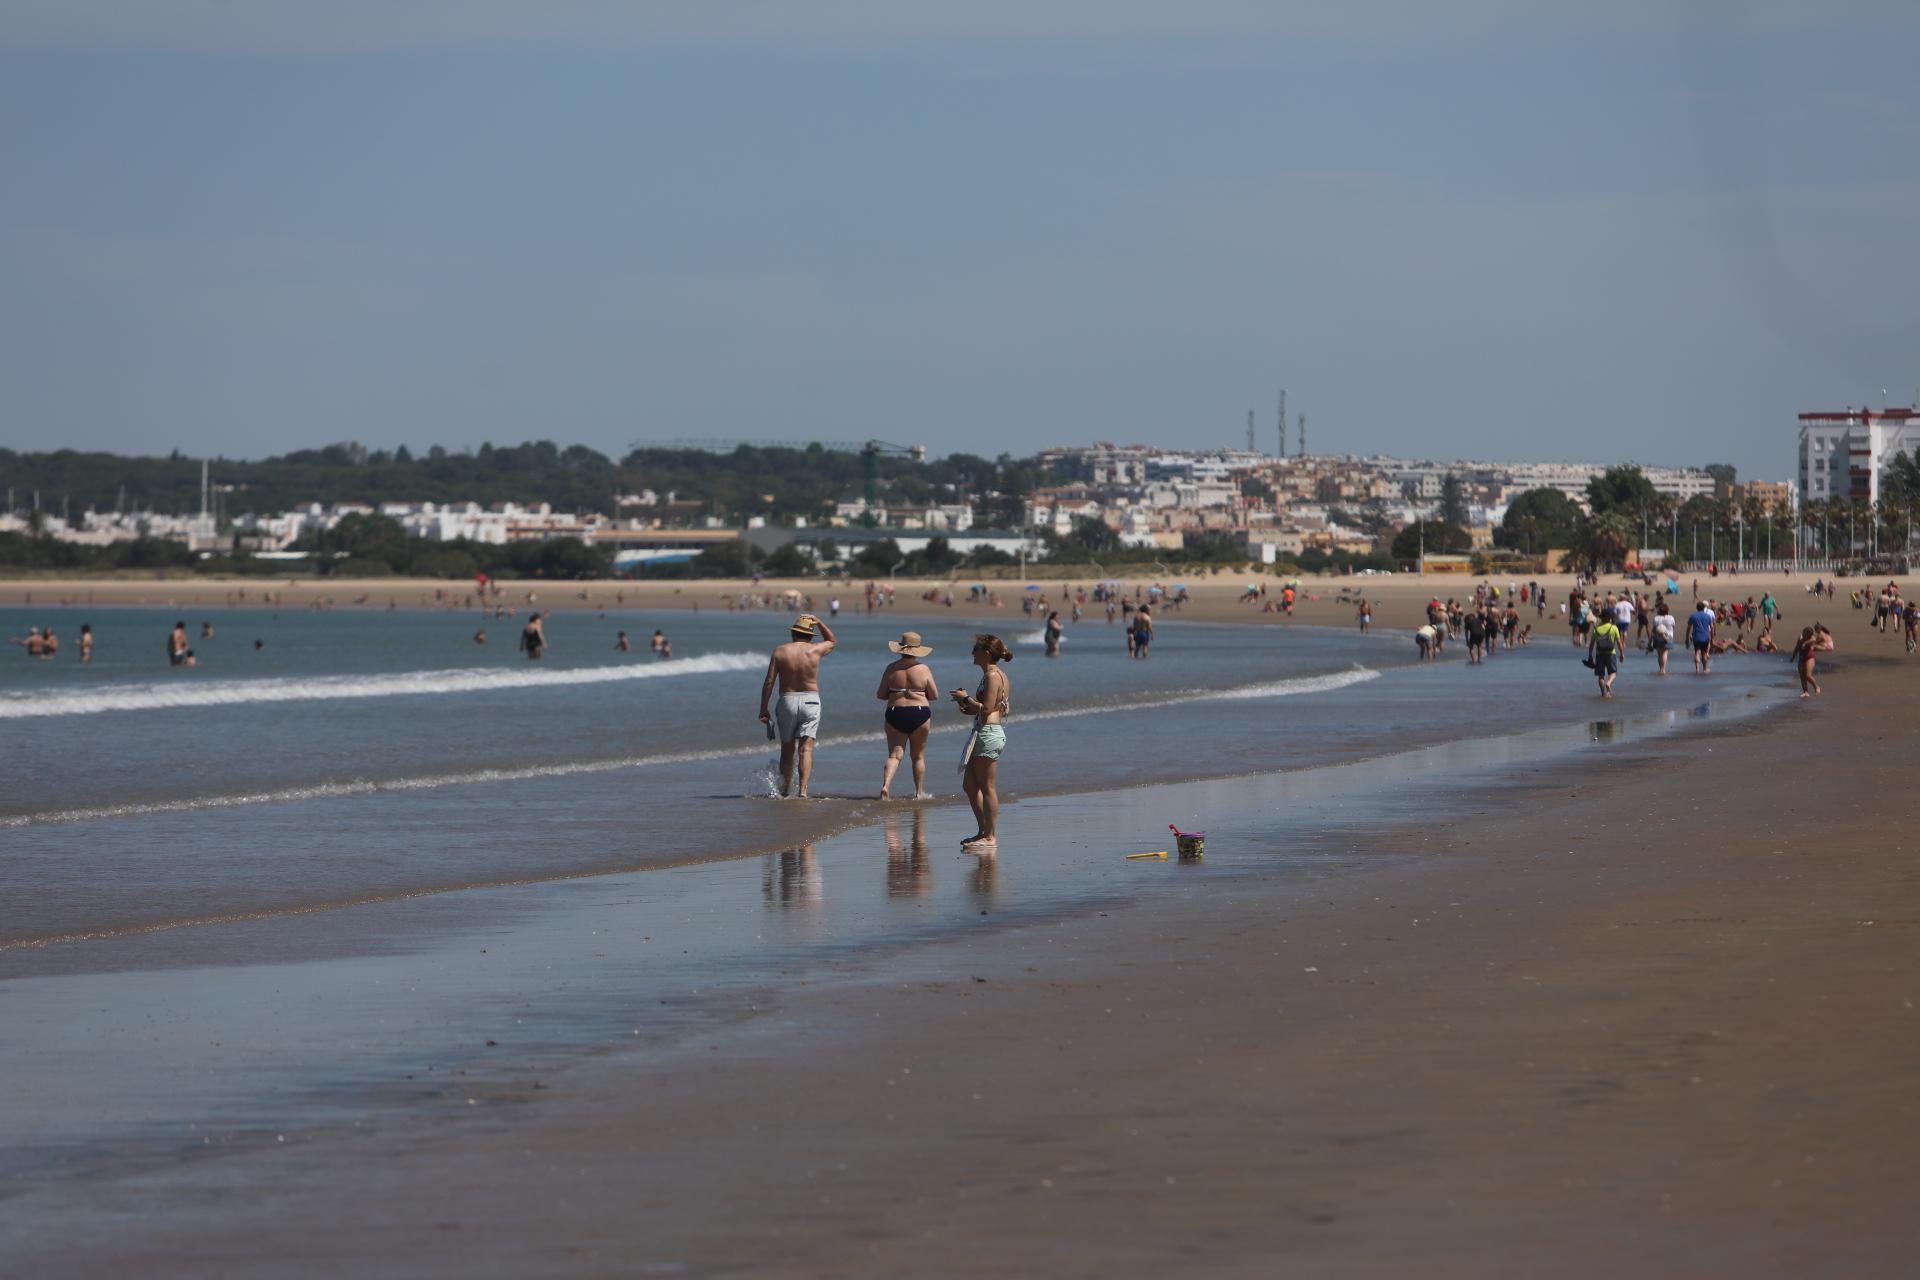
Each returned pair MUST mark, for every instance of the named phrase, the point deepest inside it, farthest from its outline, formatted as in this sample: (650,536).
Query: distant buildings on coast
(1144,497)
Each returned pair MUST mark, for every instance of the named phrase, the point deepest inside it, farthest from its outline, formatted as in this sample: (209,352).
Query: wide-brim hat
(804,625)
(909,645)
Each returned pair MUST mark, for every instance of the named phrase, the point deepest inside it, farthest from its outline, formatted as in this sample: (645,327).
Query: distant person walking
(795,669)
(907,687)
(1142,631)
(989,706)
(177,645)
(533,637)
(1814,640)
(1663,630)
(1700,633)
(1051,634)
(1603,653)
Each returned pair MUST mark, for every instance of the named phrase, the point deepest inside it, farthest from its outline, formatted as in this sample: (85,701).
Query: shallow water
(173,1046)
(371,755)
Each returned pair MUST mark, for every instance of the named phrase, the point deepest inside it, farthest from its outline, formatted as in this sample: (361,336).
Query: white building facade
(1842,454)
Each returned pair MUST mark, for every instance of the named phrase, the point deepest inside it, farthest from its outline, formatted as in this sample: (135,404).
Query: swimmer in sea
(86,642)
(907,687)
(480,636)
(533,637)
(621,644)
(177,652)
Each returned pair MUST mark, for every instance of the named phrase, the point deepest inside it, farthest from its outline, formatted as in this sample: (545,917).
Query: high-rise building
(1842,454)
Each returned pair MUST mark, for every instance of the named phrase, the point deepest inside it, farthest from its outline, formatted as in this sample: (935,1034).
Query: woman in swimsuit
(988,706)
(908,689)
(1814,640)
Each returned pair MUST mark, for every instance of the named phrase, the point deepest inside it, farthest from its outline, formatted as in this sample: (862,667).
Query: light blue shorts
(989,741)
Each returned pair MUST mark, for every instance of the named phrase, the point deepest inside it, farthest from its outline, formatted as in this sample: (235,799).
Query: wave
(152,697)
(427,782)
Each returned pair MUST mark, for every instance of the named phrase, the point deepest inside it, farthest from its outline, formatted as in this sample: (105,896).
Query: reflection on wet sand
(985,880)
(909,869)
(792,878)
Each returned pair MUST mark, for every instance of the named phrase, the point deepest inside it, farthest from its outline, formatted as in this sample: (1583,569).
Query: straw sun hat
(909,644)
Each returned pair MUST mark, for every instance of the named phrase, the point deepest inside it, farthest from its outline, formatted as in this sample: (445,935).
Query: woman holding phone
(989,706)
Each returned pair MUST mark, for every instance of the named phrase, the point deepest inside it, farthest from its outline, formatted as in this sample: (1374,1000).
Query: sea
(348,847)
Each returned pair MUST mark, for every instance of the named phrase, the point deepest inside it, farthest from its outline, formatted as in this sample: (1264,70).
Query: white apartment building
(1842,454)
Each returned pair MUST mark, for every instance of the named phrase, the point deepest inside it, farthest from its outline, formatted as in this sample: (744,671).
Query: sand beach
(1628,993)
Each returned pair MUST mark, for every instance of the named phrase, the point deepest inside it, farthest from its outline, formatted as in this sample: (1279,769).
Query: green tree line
(778,483)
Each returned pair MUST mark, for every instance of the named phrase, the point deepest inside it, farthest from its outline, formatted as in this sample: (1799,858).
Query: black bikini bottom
(907,719)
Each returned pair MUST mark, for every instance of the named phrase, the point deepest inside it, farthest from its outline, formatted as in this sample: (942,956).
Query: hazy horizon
(1639,231)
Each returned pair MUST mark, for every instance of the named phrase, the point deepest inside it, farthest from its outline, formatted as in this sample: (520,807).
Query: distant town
(1092,503)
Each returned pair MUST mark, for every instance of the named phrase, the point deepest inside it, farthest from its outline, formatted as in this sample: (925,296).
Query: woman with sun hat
(908,689)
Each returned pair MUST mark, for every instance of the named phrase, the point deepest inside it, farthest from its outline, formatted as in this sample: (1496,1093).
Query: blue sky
(1506,230)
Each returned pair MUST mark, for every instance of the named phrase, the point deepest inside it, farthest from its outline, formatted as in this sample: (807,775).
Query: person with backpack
(1603,652)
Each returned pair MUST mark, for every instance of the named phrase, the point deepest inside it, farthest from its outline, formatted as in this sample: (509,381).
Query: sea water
(362,755)
(307,883)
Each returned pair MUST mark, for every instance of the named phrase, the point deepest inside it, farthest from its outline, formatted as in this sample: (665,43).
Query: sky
(1488,229)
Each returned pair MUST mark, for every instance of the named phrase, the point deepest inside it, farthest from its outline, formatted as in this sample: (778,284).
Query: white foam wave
(426,782)
(151,697)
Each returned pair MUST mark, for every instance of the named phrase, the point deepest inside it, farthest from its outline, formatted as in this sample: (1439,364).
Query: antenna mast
(1303,435)
(1249,431)
(1283,422)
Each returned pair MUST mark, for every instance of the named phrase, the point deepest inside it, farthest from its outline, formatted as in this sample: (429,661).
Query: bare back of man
(795,669)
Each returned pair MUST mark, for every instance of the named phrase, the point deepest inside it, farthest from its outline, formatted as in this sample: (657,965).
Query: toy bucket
(1193,844)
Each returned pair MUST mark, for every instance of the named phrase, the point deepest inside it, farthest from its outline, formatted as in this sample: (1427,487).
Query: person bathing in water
(989,706)
(795,668)
(907,687)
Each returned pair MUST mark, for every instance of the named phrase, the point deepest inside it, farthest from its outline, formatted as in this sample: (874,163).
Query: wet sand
(1647,1014)
(1215,597)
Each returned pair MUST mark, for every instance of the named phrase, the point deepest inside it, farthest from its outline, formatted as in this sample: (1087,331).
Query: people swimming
(907,687)
(177,652)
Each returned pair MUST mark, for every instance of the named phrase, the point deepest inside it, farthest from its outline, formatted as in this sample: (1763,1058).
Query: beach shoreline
(1553,1035)
(1214,597)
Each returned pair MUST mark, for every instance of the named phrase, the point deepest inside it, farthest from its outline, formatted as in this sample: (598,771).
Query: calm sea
(353,756)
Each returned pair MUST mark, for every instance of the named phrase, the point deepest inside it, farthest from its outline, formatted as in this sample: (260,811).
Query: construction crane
(870,451)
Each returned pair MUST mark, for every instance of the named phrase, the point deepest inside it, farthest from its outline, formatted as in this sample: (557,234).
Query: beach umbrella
(1032,587)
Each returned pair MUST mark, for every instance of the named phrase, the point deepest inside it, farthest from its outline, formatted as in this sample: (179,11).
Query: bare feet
(976,840)
(886,793)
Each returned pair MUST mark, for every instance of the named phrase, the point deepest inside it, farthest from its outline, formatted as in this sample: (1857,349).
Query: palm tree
(1605,541)
(1781,514)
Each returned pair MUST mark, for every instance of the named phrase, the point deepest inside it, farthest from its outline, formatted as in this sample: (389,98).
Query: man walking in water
(795,666)
(1700,625)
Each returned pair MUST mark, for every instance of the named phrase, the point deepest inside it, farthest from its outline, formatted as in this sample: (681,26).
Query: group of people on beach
(1600,624)
(790,707)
